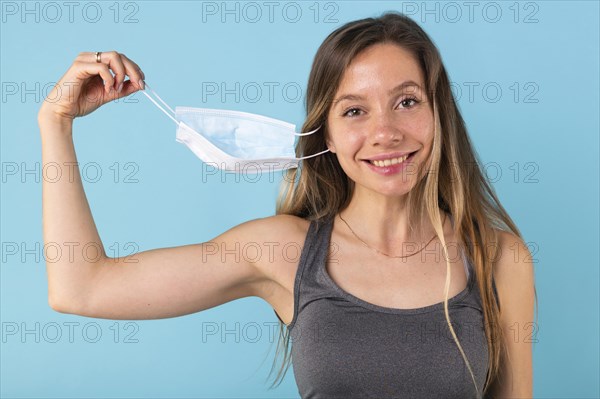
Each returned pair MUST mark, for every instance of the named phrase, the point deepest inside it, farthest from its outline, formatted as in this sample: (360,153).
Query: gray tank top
(344,347)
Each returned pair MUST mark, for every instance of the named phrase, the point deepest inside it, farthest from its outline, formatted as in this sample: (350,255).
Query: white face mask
(235,141)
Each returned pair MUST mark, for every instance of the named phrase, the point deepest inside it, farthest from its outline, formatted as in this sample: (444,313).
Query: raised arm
(153,284)
(66,216)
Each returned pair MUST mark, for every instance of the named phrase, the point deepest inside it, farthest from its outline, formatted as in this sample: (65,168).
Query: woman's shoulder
(277,228)
(286,223)
(511,250)
(268,240)
(507,241)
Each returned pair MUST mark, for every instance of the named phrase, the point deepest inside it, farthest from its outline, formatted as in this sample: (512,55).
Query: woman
(407,284)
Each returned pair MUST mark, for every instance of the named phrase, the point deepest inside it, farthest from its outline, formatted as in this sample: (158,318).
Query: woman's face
(379,115)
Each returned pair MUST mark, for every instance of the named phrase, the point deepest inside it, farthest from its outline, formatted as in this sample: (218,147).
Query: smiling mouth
(390,161)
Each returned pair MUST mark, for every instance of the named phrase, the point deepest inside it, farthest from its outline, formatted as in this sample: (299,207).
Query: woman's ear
(330,145)
(328,141)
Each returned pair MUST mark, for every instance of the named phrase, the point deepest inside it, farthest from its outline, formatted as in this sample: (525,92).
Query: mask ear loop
(314,155)
(306,134)
(170,115)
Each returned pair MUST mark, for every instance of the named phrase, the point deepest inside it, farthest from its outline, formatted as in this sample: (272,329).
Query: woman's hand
(88,84)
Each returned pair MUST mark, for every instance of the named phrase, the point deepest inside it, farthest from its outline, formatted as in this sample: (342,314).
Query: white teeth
(391,161)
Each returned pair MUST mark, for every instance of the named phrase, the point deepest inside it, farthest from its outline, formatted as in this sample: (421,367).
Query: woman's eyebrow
(348,97)
(401,86)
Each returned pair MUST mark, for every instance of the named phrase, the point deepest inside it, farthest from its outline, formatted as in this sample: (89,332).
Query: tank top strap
(470,269)
(308,284)
(316,245)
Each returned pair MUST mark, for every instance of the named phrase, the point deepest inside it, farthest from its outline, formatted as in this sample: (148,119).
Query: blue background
(538,138)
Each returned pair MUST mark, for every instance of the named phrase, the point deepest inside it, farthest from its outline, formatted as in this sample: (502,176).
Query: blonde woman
(408,283)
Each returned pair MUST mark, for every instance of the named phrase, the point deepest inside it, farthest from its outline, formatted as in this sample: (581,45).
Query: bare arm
(514,276)
(170,282)
(152,284)
(66,217)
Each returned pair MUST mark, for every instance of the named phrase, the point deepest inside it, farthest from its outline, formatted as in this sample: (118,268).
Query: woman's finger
(121,65)
(85,70)
(114,62)
(135,73)
(128,88)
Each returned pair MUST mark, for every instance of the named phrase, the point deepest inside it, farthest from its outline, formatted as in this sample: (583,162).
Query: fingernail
(141,84)
(120,88)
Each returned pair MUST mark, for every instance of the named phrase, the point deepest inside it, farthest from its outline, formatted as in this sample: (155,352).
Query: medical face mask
(235,141)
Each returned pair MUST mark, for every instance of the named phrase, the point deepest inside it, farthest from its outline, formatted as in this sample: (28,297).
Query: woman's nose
(384,130)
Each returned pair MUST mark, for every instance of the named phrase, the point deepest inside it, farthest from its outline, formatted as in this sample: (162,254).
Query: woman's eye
(352,112)
(406,102)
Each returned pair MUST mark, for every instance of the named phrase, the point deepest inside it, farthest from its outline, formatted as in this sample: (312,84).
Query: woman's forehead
(382,66)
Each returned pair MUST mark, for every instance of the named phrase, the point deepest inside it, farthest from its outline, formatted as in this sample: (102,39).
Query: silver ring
(98,56)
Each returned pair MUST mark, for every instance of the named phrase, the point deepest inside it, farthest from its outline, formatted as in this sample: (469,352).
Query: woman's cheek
(419,130)
(346,141)
(352,138)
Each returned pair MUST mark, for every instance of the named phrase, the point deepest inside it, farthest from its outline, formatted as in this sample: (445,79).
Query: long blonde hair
(321,189)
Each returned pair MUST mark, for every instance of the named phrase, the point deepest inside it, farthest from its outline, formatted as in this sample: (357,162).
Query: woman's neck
(383,221)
